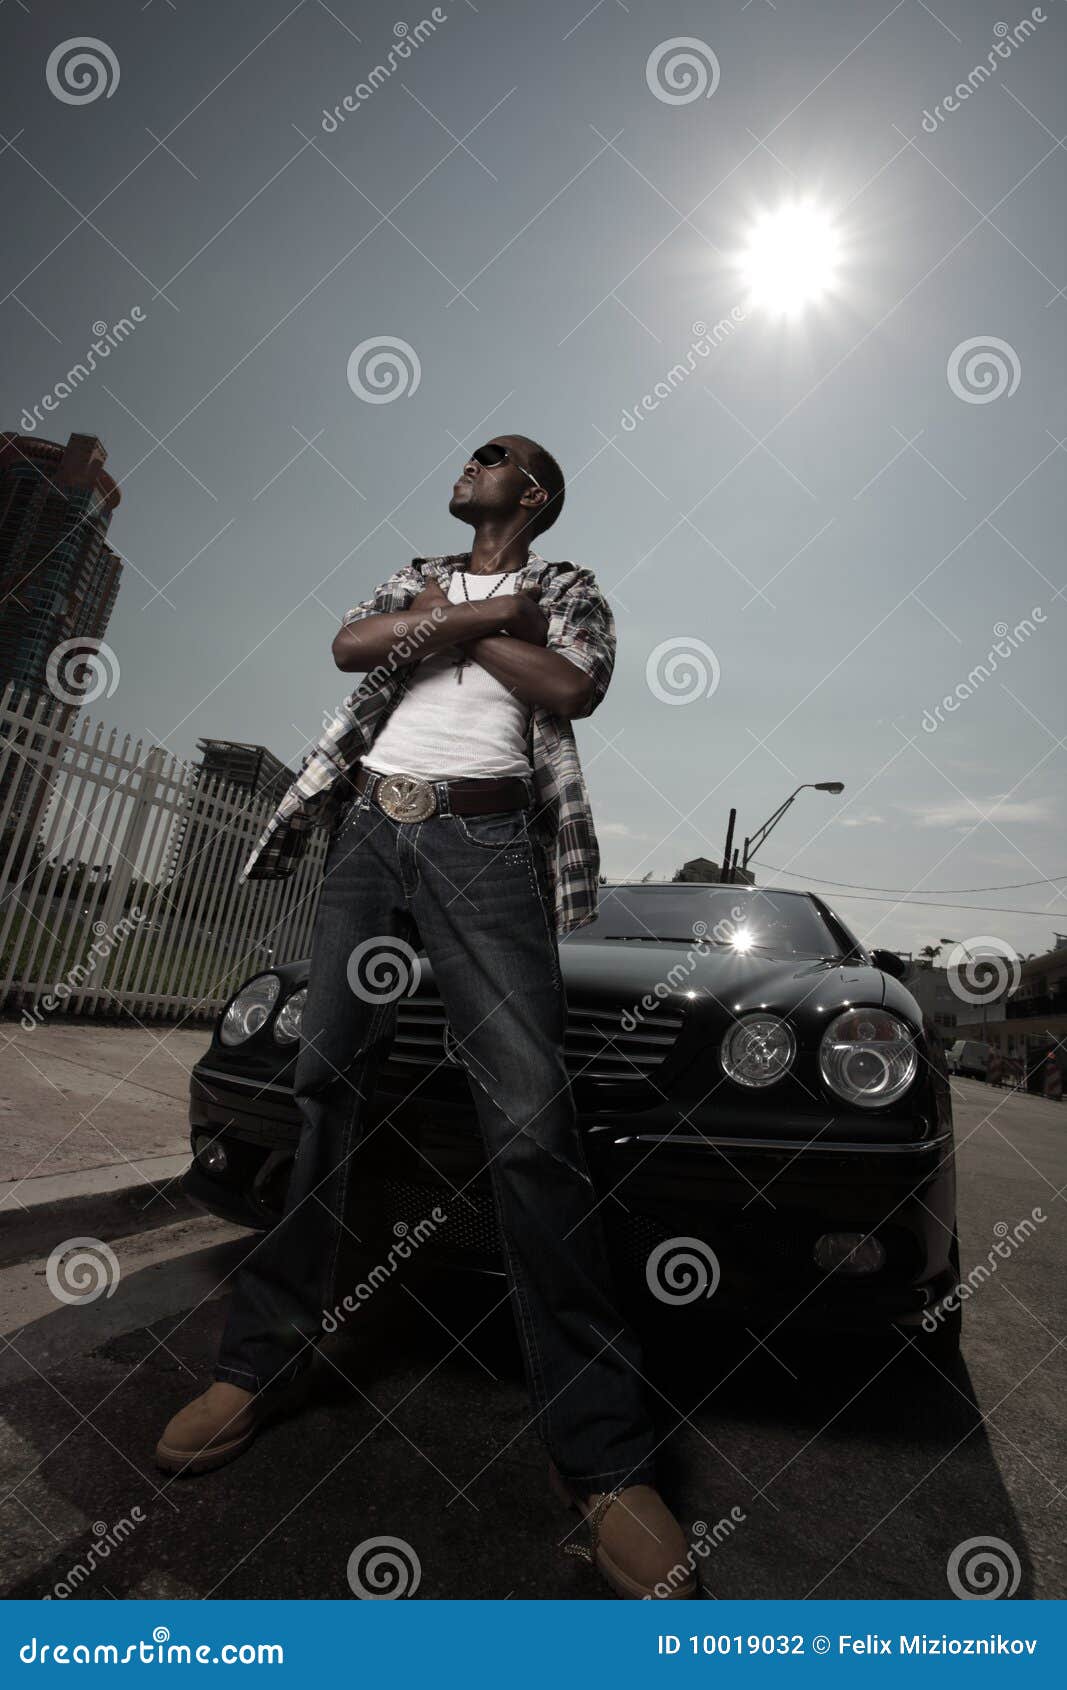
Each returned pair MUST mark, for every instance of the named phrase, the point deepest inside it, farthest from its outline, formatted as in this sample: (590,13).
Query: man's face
(495,492)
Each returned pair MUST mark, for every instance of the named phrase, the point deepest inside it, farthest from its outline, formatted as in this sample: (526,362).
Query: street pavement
(832,1469)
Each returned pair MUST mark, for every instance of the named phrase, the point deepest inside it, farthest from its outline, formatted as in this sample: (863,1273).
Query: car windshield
(739,918)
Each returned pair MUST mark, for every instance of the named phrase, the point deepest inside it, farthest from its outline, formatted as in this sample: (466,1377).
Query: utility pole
(728,847)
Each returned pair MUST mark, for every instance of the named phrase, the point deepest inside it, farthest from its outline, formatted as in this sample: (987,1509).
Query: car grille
(471,1227)
(596,1045)
(470,1231)
(387,1207)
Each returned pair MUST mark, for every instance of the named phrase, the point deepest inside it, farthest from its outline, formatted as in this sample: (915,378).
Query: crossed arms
(505,634)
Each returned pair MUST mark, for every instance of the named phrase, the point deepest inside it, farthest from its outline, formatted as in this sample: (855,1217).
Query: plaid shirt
(580,626)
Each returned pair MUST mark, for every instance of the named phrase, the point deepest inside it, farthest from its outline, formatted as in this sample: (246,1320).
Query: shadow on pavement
(839,1469)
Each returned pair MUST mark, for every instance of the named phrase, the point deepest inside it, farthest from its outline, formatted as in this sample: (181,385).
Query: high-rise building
(59,579)
(198,844)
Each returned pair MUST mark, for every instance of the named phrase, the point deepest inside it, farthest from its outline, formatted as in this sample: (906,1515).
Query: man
(460,823)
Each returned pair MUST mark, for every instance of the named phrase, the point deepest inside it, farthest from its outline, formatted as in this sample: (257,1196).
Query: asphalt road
(841,1470)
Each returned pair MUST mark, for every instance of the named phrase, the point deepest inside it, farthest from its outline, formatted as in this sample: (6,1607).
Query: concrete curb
(106,1202)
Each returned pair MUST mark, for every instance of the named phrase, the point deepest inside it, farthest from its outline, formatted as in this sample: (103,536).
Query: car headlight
(250,1009)
(287,1023)
(868,1057)
(758,1050)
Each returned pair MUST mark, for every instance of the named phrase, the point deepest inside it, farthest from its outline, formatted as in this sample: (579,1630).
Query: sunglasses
(492,456)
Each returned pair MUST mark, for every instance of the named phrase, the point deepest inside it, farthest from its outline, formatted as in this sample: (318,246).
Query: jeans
(468,890)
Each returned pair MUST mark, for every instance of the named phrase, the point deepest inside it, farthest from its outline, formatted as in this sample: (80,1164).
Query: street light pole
(753,844)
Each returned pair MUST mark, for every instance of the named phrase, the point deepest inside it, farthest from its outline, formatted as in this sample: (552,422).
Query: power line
(908,891)
(979,909)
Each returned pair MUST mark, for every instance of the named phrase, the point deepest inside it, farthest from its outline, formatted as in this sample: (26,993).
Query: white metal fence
(118,875)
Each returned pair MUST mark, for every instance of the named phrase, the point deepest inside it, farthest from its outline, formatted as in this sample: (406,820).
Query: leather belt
(406,798)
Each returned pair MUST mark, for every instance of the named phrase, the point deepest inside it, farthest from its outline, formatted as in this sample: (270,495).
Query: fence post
(136,826)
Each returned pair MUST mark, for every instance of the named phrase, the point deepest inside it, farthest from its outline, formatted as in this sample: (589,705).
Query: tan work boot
(211,1430)
(634,1540)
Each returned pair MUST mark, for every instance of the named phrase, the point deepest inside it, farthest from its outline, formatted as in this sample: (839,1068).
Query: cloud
(962,813)
(866,819)
(621,830)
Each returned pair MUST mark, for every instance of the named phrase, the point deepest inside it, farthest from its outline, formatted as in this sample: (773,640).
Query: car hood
(626,972)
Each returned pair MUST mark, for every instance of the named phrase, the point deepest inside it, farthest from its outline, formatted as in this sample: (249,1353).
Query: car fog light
(212,1155)
(849,1252)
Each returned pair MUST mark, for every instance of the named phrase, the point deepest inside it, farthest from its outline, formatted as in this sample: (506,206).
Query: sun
(791,258)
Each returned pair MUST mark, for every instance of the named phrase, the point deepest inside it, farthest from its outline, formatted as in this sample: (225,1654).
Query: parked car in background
(969,1058)
(766,1114)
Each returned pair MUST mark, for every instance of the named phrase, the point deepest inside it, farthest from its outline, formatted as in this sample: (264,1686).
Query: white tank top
(445,727)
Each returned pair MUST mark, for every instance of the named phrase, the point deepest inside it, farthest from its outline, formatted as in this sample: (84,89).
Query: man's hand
(518,657)
(522,617)
(431,595)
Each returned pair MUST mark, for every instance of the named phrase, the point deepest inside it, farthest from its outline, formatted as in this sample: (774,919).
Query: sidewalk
(87,1108)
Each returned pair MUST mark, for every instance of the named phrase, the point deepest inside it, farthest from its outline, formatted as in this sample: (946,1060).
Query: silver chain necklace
(462,660)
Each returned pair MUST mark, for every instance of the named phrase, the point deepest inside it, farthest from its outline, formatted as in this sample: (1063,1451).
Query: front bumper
(759,1206)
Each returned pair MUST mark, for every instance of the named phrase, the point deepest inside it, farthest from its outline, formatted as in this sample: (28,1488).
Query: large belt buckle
(405,798)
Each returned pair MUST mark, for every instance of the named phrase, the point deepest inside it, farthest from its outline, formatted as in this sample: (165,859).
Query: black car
(766,1113)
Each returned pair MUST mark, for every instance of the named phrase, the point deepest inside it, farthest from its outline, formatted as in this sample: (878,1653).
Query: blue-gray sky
(817,503)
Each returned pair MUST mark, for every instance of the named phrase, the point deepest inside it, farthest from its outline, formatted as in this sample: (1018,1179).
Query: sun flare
(791,258)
